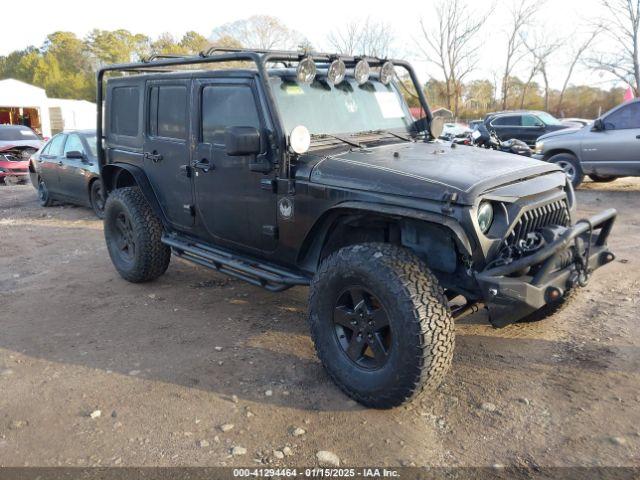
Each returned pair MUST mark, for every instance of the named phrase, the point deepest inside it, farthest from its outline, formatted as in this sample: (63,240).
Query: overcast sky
(33,20)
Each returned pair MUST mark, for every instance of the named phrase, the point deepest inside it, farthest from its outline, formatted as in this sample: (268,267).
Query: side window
(624,118)
(124,111)
(74,144)
(508,121)
(530,121)
(56,145)
(168,112)
(227,106)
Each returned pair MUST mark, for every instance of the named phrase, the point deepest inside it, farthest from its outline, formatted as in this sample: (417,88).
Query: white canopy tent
(17,96)
(19,100)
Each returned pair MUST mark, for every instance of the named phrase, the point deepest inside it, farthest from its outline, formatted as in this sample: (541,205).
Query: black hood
(426,170)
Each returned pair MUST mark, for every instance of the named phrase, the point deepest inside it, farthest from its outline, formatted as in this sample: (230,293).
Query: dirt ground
(169,363)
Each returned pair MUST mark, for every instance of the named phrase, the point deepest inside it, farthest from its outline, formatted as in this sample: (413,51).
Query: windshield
(548,119)
(345,108)
(17,133)
(92,142)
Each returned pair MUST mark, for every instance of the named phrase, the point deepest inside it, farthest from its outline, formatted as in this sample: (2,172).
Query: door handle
(154,156)
(203,165)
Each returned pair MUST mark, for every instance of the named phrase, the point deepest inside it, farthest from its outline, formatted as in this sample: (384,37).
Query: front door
(50,163)
(166,148)
(72,172)
(232,202)
(616,149)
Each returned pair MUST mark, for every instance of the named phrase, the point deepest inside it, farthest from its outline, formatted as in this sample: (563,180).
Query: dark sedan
(66,169)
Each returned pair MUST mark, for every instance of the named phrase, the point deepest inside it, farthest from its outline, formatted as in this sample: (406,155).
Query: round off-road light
(387,72)
(361,72)
(300,139)
(336,72)
(485,216)
(306,70)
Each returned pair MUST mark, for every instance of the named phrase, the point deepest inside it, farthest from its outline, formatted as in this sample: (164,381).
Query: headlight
(361,72)
(539,147)
(485,216)
(387,73)
(2,170)
(306,70)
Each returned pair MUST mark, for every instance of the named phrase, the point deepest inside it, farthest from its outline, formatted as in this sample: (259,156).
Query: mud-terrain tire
(96,199)
(394,284)
(571,166)
(602,178)
(44,197)
(133,233)
(551,308)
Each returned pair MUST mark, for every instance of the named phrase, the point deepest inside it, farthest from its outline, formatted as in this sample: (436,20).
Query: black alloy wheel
(125,239)
(362,328)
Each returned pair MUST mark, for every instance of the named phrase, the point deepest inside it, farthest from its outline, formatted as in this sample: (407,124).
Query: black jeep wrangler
(296,168)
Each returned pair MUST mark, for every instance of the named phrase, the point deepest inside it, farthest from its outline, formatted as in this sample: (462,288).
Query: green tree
(117,46)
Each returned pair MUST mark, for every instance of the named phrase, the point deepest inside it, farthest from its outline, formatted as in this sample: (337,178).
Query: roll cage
(171,63)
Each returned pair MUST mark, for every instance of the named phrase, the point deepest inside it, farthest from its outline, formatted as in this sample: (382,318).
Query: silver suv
(605,150)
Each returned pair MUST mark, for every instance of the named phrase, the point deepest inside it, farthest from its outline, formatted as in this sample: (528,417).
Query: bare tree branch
(623,28)
(363,37)
(452,45)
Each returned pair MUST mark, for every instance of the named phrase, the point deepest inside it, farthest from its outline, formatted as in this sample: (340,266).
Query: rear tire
(571,166)
(602,178)
(44,197)
(380,323)
(133,233)
(96,199)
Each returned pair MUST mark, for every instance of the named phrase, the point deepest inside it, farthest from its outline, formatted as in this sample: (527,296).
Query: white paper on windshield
(25,133)
(476,134)
(389,105)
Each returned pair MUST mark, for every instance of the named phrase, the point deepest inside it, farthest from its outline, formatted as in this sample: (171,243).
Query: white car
(452,130)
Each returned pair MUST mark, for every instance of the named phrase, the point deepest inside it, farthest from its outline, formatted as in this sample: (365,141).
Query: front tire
(133,235)
(571,167)
(380,323)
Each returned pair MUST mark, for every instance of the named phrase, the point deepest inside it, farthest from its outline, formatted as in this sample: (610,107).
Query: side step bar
(250,270)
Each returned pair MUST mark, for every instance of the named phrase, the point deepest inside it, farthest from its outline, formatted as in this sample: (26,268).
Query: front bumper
(14,176)
(558,267)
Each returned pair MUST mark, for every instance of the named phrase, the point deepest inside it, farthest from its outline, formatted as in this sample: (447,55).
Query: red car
(13,169)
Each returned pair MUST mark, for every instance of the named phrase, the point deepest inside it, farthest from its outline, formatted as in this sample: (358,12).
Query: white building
(24,104)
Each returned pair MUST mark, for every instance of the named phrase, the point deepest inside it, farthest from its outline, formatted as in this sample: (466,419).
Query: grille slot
(554,213)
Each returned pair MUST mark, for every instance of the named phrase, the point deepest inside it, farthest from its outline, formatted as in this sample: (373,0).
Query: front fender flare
(318,233)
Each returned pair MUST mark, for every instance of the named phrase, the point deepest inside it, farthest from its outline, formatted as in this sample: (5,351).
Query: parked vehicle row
(66,169)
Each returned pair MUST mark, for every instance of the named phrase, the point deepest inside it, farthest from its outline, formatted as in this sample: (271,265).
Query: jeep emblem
(285,206)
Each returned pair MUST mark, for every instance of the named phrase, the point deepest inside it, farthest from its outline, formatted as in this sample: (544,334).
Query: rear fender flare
(112,171)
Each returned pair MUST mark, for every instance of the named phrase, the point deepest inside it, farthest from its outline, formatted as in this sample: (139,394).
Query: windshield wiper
(353,143)
(388,132)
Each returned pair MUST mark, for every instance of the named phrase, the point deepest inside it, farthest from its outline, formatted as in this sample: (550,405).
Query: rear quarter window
(124,111)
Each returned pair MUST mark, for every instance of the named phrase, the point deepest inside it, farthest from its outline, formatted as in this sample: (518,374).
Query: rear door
(73,180)
(50,162)
(166,148)
(616,149)
(508,127)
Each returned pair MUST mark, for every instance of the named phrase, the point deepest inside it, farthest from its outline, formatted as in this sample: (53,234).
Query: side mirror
(598,125)
(242,141)
(75,155)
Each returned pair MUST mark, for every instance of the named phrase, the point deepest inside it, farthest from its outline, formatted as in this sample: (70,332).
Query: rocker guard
(509,299)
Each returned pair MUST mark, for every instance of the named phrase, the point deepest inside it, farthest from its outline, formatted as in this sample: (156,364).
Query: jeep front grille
(554,213)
